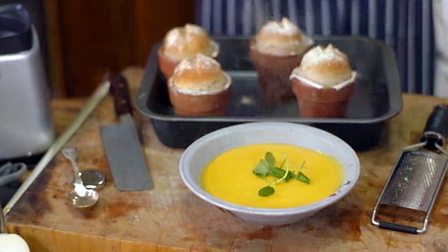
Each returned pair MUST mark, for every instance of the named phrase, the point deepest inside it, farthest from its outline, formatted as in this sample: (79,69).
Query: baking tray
(377,97)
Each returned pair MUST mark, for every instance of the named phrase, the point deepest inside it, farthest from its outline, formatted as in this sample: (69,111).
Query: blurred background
(81,39)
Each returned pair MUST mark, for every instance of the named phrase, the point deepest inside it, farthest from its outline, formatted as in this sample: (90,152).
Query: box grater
(417,176)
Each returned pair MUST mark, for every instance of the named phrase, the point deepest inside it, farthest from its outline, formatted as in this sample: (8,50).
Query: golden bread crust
(200,75)
(282,38)
(326,66)
(187,41)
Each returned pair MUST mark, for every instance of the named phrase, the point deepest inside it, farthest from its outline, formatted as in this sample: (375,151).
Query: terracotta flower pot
(324,102)
(198,105)
(273,74)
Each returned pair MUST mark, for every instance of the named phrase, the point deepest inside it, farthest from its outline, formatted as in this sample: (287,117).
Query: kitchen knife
(121,143)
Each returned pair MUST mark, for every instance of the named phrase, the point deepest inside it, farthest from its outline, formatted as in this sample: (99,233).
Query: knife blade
(122,145)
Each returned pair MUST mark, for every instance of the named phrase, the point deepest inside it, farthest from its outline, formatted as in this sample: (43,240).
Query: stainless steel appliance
(26,126)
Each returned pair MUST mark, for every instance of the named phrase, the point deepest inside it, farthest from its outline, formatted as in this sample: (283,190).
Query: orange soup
(230,176)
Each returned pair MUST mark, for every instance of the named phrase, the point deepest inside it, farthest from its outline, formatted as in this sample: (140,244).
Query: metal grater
(418,174)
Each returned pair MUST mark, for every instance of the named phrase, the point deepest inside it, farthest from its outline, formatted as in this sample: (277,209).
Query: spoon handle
(72,155)
(76,173)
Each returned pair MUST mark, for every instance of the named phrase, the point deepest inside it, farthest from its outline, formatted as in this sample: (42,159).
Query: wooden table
(170,217)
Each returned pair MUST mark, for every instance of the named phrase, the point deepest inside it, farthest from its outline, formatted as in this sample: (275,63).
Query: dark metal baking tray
(377,97)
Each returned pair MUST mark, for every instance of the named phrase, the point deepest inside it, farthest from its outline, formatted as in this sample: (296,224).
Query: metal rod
(2,221)
(93,102)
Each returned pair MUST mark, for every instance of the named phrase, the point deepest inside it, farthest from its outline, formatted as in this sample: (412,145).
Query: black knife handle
(437,123)
(120,92)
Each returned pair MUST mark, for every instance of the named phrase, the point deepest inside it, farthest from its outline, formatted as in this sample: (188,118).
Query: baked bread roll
(323,82)
(282,38)
(326,66)
(184,43)
(200,75)
(199,87)
(275,51)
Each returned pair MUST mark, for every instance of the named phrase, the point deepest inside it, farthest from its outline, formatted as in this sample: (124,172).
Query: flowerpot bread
(199,87)
(323,82)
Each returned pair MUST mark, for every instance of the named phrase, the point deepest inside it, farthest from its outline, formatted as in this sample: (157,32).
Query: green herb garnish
(262,169)
(303,178)
(278,172)
(266,167)
(269,157)
(290,175)
(266,191)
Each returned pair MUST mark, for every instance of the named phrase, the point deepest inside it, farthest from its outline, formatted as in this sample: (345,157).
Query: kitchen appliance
(411,190)
(26,127)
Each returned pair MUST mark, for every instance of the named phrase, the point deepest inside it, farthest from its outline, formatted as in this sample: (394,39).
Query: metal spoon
(80,196)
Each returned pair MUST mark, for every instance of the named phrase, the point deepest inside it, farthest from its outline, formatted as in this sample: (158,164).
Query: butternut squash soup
(272,176)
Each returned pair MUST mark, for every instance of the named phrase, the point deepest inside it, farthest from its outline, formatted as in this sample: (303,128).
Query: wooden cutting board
(171,218)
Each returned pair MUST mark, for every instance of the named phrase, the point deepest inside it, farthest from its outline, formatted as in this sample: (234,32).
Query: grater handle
(436,129)
(398,227)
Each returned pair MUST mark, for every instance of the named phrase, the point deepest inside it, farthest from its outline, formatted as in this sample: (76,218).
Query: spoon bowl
(82,197)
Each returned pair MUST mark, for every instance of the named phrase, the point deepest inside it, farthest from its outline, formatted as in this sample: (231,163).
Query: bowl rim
(343,190)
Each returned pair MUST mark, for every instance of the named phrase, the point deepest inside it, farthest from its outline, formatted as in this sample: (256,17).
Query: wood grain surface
(171,218)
